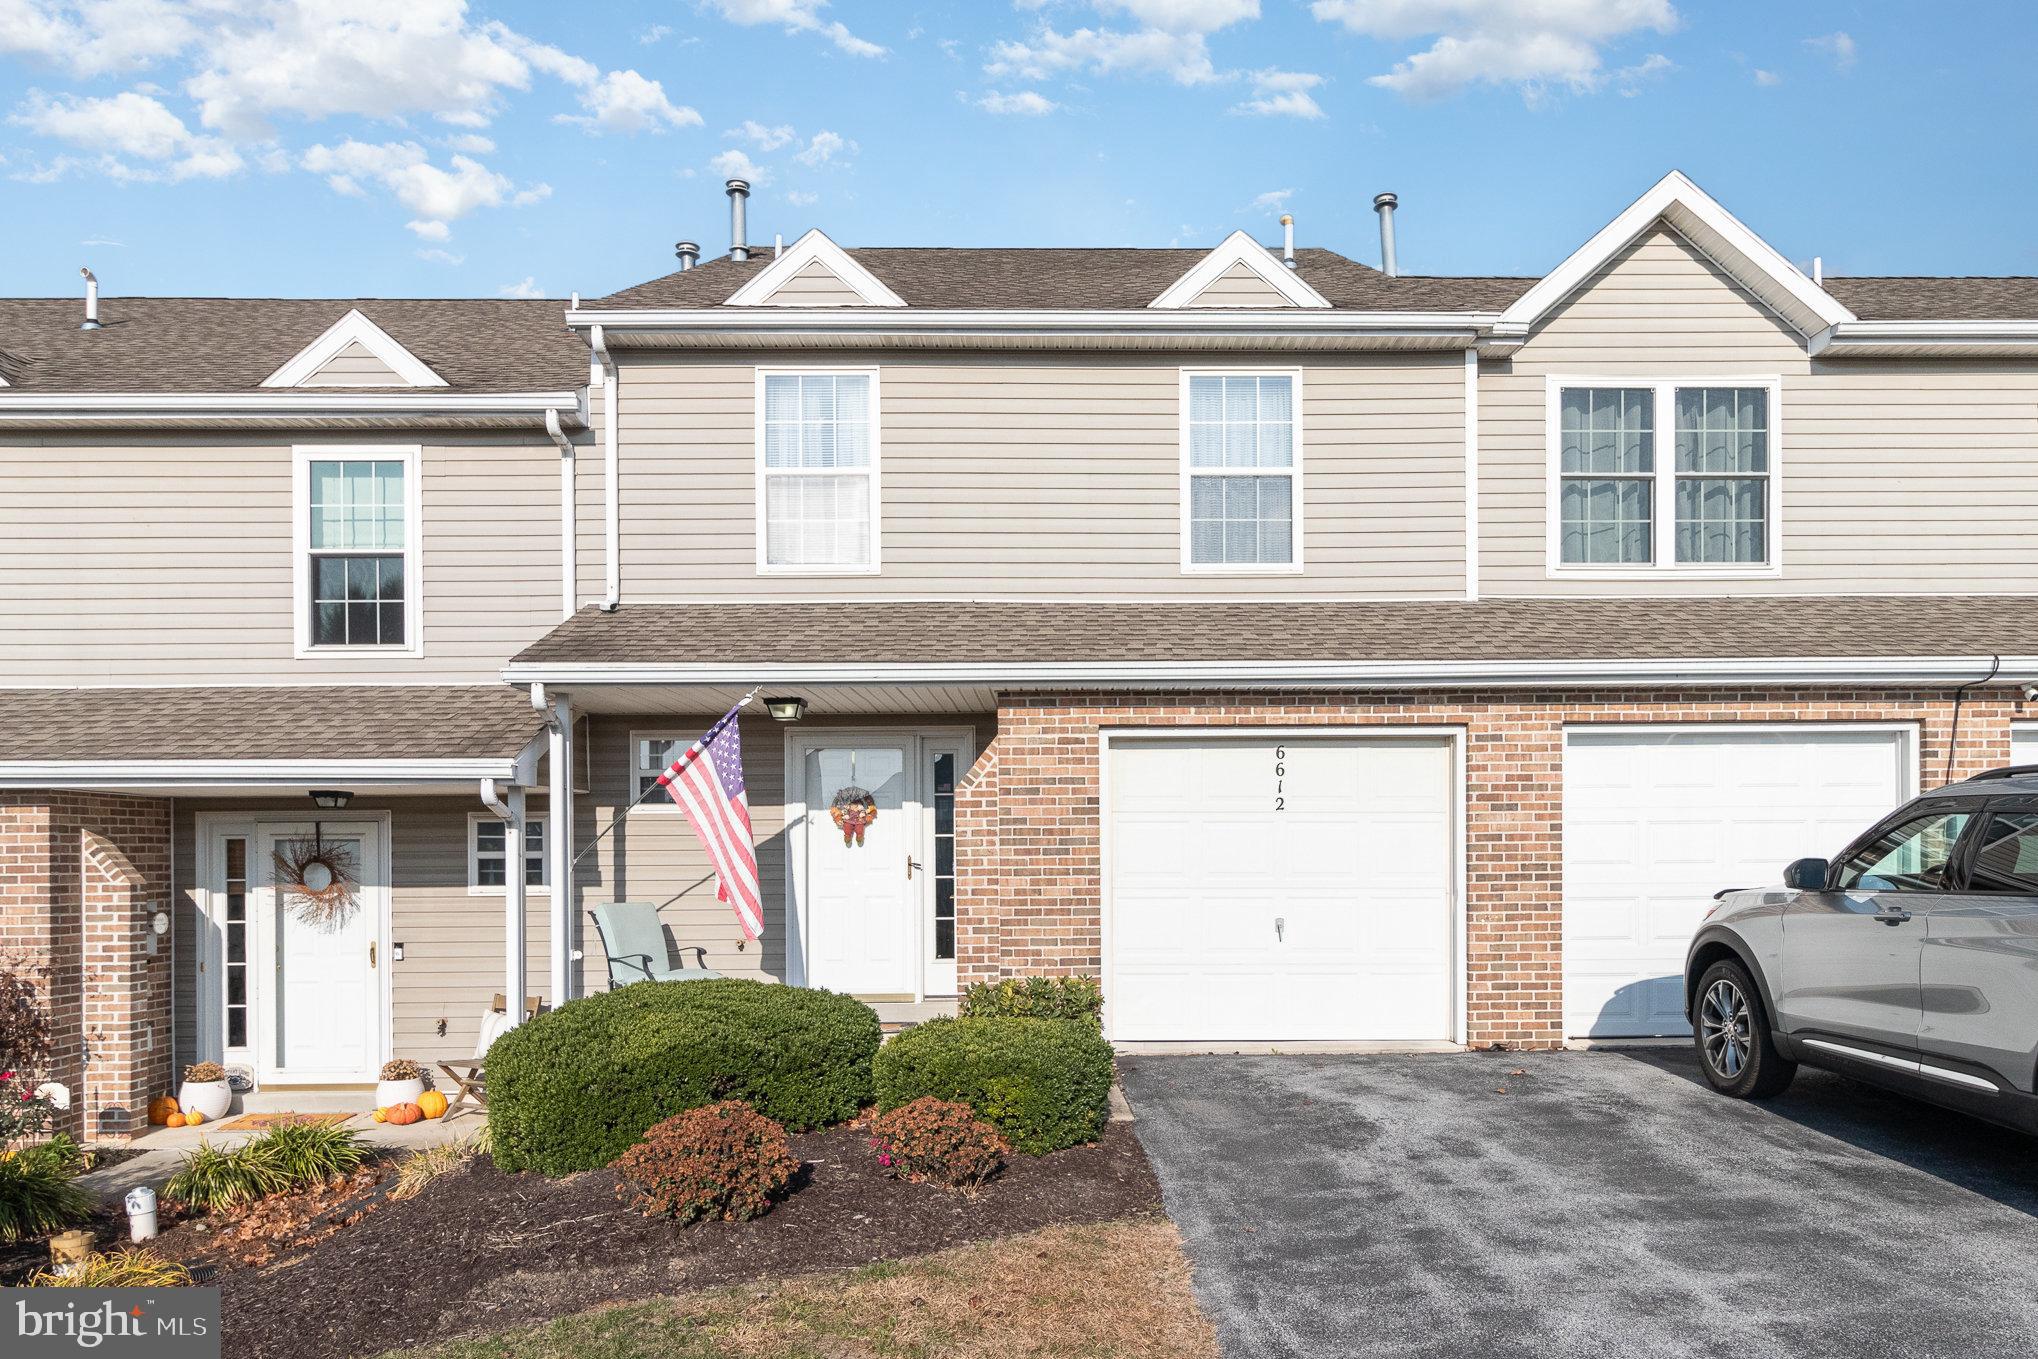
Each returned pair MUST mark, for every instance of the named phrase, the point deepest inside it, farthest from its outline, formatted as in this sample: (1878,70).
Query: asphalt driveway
(1584,1203)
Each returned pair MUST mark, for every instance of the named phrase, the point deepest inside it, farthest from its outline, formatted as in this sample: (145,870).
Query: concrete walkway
(162,1149)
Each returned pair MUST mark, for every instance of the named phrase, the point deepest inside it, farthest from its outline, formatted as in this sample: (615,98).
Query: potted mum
(402,1082)
(204,1092)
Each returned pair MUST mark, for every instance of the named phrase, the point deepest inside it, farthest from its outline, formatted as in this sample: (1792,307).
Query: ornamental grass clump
(935,1141)
(307,1155)
(213,1179)
(38,1195)
(139,1267)
(724,1161)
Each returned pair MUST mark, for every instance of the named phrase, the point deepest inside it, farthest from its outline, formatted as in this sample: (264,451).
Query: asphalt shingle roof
(1486,630)
(1938,299)
(267,722)
(221,344)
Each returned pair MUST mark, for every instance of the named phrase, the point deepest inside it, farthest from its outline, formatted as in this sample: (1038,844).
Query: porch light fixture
(786,709)
(330,799)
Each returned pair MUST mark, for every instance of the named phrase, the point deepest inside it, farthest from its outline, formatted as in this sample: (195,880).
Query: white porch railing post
(515,945)
(559,849)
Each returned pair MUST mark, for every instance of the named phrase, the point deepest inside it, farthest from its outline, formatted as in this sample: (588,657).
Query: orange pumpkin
(382,1115)
(174,1120)
(405,1114)
(432,1104)
(160,1109)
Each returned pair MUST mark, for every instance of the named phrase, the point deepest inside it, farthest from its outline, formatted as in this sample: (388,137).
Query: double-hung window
(1241,471)
(1676,477)
(356,512)
(817,471)
(488,854)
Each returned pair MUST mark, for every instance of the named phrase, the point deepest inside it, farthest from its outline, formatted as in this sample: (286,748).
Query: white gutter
(2011,338)
(604,372)
(1404,674)
(325,402)
(246,773)
(915,321)
(567,582)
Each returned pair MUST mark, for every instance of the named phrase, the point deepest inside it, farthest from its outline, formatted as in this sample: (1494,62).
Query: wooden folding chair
(470,1078)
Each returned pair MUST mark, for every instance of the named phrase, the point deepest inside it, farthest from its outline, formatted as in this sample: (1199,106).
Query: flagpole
(635,802)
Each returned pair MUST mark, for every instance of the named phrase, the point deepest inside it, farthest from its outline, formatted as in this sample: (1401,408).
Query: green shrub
(215,1178)
(1044,1083)
(37,1196)
(723,1161)
(1036,998)
(575,1087)
(308,1154)
(938,1141)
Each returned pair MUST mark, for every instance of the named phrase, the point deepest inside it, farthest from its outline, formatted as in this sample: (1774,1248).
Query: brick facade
(1031,883)
(80,876)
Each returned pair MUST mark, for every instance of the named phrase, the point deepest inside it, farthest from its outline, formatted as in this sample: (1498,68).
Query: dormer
(354,352)
(814,272)
(1240,272)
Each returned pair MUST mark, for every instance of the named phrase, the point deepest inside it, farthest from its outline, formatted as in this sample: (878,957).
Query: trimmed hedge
(578,1086)
(1037,998)
(1044,1083)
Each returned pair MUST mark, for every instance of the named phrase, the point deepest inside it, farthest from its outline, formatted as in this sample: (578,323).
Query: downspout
(567,576)
(515,941)
(605,373)
(1472,473)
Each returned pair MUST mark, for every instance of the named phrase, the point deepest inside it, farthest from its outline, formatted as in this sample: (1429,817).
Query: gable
(354,352)
(1239,286)
(814,272)
(816,285)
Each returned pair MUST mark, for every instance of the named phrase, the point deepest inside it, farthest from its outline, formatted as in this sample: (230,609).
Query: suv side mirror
(1807,875)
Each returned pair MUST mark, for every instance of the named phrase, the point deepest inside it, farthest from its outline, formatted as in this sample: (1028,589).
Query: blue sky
(441,148)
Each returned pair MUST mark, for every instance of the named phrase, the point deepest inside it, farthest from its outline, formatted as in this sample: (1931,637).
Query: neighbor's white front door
(857,898)
(317,988)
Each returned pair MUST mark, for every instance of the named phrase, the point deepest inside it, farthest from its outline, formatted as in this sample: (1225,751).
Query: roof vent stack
(91,301)
(1384,204)
(1288,240)
(739,190)
(1818,271)
(689,253)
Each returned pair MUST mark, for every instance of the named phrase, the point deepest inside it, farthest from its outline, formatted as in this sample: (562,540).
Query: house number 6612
(1280,778)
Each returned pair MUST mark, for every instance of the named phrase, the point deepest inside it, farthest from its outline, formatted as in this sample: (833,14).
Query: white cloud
(526,288)
(795,16)
(437,256)
(438,196)
(801,198)
(655,33)
(762,137)
(734,164)
(1025,103)
(624,101)
(1767,78)
(1183,57)
(1630,79)
(98,240)
(129,124)
(1837,48)
(95,37)
(1185,16)
(1282,94)
(470,143)
(1273,200)
(1528,43)
(824,146)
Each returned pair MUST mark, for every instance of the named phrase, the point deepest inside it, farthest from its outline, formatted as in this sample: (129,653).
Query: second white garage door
(1657,821)
(1266,890)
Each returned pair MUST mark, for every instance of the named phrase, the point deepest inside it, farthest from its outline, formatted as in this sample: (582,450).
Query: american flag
(714,797)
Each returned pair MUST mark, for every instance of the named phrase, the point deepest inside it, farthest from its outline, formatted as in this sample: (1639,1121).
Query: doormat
(255,1121)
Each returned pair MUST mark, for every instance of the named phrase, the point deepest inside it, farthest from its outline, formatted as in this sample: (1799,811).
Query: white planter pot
(388,1093)
(210,1098)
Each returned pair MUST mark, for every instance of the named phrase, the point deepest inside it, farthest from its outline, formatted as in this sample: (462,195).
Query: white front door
(316,988)
(859,889)
(1280,889)
(1657,820)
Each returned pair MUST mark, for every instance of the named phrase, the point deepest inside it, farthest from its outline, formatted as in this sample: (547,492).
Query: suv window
(2006,856)
(1910,856)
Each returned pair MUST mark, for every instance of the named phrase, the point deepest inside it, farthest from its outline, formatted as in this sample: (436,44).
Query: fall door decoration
(318,880)
(852,811)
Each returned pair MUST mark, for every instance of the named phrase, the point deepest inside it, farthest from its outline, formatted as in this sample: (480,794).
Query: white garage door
(1656,822)
(2023,744)
(1280,890)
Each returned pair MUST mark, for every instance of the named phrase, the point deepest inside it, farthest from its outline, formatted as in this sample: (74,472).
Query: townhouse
(1316,653)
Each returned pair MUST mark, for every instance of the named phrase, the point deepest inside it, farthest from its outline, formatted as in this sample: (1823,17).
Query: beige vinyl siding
(169,561)
(354,366)
(1032,476)
(1896,475)
(814,286)
(1239,286)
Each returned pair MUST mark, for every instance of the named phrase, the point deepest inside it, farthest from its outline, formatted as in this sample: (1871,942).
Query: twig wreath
(319,881)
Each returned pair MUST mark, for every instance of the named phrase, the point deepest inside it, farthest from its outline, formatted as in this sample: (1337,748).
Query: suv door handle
(1897,916)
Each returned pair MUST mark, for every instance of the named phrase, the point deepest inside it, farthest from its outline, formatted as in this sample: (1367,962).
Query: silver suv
(1911,961)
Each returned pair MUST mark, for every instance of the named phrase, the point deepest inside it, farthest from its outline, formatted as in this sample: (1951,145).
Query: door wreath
(318,881)
(852,811)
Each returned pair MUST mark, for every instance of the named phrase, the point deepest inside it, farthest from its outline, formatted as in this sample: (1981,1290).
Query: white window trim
(1663,527)
(474,887)
(876,563)
(411,456)
(653,806)
(1295,504)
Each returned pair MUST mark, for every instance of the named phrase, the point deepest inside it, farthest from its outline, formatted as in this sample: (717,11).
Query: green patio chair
(636,946)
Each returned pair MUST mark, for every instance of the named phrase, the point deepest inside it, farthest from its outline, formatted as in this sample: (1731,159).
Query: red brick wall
(1036,870)
(80,874)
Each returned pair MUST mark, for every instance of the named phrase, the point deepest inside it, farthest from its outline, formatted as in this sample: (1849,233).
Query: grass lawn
(1112,1290)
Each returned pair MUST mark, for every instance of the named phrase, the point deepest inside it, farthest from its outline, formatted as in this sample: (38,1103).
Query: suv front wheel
(1732,1036)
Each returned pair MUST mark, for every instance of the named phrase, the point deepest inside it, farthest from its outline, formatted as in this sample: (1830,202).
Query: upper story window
(817,471)
(357,548)
(1241,471)
(1670,477)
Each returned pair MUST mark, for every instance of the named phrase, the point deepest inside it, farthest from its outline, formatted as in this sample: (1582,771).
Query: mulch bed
(480,1251)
